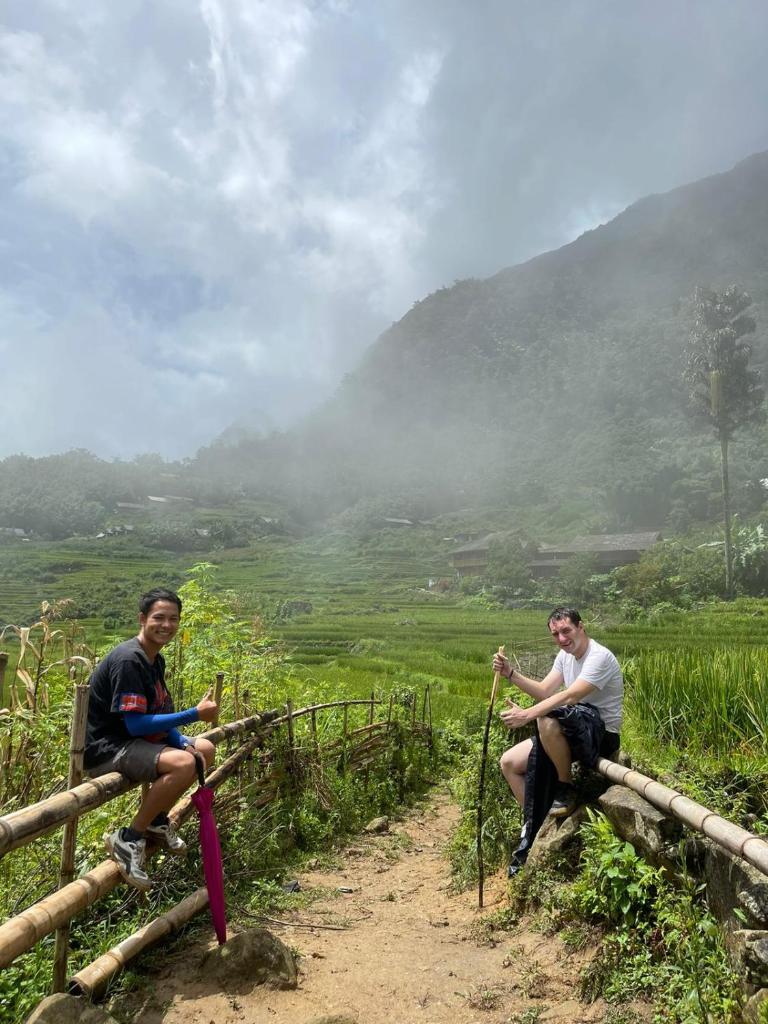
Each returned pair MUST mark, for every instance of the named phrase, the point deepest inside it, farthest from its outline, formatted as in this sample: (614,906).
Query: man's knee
(176,763)
(513,761)
(548,727)
(207,749)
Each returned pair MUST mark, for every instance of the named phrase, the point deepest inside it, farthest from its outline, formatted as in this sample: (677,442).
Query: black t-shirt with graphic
(124,681)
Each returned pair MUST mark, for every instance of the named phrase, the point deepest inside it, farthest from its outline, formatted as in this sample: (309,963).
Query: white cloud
(205,208)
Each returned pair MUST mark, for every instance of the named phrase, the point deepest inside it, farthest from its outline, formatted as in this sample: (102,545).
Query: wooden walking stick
(481,787)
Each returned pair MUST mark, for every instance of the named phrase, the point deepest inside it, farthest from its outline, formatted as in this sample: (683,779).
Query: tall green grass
(713,701)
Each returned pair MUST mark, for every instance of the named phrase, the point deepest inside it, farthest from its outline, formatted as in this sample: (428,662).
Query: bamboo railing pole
(20,933)
(733,838)
(217,692)
(29,823)
(69,839)
(389,709)
(92,980)
(373,701)
(183,808)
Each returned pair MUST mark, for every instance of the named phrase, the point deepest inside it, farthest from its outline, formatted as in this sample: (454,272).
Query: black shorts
(585,731)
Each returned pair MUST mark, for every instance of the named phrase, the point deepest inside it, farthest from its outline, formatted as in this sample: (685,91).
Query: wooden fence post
(289,724)
(67,870)
(344,740)
(313,722)
(3,666)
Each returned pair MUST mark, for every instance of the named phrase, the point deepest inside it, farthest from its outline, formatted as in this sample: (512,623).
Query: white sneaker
(167,837)
(129,857)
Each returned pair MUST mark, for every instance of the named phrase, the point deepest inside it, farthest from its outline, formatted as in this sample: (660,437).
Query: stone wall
(737,892)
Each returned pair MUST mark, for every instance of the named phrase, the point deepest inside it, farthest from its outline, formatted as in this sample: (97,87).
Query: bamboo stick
(313,726)
(92,980)
(23,826)
(69,839)
(217,691)
(481,786)
(289,725)
(733,838)
(3,666)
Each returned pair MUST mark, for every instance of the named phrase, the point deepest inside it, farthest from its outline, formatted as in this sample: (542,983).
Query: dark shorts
(585,731)
(137,760)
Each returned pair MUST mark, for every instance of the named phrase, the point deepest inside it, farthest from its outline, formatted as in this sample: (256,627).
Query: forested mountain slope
(555,380)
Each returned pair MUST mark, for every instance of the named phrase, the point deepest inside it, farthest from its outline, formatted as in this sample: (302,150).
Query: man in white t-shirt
(578,709)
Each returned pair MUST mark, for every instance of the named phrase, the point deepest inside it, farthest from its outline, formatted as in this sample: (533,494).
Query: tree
(724,391)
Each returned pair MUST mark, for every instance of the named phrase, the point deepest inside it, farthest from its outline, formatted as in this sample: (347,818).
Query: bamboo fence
(356,750)
(736,840)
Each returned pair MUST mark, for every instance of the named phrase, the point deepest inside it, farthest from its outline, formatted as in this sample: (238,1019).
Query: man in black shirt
(133,729)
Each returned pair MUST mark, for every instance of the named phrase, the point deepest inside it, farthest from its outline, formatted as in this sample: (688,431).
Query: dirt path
(397,946)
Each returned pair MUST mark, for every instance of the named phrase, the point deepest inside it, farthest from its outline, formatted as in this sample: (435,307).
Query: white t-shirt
(599,667)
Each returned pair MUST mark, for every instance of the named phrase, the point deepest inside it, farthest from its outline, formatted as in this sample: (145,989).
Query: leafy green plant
(615,882)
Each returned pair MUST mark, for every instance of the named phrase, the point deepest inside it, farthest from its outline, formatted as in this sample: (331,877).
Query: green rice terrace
(322,619)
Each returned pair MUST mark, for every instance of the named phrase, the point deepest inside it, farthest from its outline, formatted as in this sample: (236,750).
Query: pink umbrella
(202,798)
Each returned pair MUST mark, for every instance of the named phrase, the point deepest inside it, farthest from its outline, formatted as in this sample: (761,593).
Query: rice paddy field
(356,620)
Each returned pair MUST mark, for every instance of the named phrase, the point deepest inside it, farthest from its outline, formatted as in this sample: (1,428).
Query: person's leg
(175,774)
(514,763)
(556,747)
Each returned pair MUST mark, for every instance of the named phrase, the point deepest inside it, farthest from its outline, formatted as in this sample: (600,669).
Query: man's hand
(207,709)
(502,665)
(514,716)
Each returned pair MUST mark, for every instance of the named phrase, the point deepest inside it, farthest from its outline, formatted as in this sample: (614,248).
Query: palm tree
(724,391)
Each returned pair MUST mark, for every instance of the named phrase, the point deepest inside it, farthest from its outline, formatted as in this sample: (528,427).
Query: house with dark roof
(471,559)
(608,550)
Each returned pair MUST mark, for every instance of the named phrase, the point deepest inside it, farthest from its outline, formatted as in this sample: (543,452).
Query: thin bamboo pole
(731,837)
(69,839)
(3,666)
(289,725)
(217,692)
(344,740)
(315,744)
(92,980)
(481,787)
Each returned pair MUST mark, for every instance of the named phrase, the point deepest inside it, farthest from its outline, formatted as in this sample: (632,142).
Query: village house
(608,550)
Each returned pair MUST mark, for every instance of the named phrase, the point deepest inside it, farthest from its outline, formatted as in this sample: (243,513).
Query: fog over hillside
(558,380)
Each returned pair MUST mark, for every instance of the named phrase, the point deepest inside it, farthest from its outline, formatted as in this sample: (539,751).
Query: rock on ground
(251,958)
(61,1008)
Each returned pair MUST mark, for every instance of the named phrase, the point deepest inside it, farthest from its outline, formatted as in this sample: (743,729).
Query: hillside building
(609,551)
